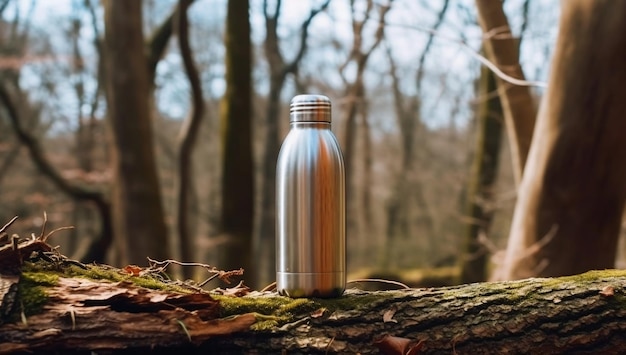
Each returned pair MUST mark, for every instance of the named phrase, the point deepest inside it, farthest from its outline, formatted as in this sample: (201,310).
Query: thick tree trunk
(569,212)
(138,217)
(578,314)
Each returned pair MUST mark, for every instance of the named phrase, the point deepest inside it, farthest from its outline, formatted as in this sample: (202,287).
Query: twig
(486,62)
(182,325)
(161,266)
(270,287)
(45,238)
(390,282)
(43,225)
(8,224)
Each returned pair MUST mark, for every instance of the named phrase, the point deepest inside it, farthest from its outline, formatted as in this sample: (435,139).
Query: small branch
(3,229)
(160,267)
(493,67)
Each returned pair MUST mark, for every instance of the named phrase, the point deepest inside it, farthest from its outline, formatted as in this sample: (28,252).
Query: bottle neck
(317,125)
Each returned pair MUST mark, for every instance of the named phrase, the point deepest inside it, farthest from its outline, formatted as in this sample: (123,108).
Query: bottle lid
(310,108)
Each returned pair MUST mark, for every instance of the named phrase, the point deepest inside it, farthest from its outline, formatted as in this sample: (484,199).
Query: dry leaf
(318,313)
(390,345)
(388,316)
(237,291)
(133,270)
(608,291)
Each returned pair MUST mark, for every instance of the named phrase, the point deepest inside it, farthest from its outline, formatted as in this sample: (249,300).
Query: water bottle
(310,204)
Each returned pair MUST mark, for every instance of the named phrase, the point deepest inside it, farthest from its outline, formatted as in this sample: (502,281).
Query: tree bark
(578,314)
(569,211)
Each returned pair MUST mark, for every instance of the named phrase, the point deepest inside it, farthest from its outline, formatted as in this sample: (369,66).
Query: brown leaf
(318,313)
(388,316)
(133,270)
(608,291)
(390,345)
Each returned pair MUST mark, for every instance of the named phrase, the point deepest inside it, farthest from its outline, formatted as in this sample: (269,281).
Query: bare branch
(6,226)
(36,153)
(431,37)
(158,42)
(463,44)
(292,67)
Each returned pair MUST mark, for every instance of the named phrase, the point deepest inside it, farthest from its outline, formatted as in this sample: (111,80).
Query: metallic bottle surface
(310,204)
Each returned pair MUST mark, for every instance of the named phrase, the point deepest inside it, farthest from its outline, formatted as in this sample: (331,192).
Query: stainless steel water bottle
(310,204)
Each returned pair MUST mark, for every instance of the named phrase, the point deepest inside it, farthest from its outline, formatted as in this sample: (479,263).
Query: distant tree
(571,199)
(14,43)
(137,211)
(187,138)
(518,104)
(236,117)
(406,187)
(484,169)
(279,69)
(355,98)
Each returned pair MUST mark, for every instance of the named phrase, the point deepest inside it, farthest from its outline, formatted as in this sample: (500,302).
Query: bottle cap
(310,108)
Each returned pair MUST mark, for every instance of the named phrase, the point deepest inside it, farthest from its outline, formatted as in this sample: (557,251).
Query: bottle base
(314,285)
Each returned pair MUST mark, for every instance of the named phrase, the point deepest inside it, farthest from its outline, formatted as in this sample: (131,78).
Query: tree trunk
(187,140)
(518,104)
(65,314)
(569,211)
(237,175)
(264,250)
(137,211)
(482,180)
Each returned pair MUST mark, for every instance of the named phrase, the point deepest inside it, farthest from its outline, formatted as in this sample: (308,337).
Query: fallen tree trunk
(50,304)
(68,309)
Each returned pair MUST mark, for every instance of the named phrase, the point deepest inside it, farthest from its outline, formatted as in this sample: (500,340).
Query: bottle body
(310,211)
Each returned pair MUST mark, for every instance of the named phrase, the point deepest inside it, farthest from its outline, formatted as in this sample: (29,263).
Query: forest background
(152,127)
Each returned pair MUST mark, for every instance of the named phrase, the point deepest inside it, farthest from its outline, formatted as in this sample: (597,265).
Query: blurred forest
(153,128)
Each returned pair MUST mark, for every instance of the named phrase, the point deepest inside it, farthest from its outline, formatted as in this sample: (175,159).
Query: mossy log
(77,311)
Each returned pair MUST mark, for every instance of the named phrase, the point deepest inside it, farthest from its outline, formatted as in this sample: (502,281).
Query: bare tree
(236,117)
(138,216)
(489,122)
(187,137)
(517,101)
(355,95)
(280,69)
(18,116)
(571,198)
(406,186)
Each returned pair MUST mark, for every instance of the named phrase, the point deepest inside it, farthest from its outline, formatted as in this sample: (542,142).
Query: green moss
(354,302)
(31,293)
(594,275)
(40,278)
(277,306)
(97,272)
(267,323)
(275,311)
